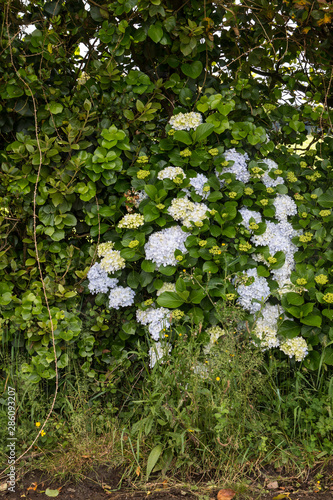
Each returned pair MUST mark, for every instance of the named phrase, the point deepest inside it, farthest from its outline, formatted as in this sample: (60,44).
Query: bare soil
(104,483)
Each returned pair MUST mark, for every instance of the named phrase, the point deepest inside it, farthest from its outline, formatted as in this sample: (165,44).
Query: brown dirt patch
(104,483)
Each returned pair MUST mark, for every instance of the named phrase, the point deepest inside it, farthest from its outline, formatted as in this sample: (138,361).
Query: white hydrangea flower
(198,183)
(166,287)
(258,290)
(171,173)
(157,352)
(112,261)
(284,207)
(185,121)
(99,282)
(104,248)
(187,211)
(266,179)
(266,326)
(132,221)
(278,239)
(295,347)
(214,332)
(200,369)
(249,214)
(157,319)
(239,167)
(121,297)
(161,245)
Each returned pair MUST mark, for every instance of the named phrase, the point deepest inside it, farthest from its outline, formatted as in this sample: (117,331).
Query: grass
(219,416)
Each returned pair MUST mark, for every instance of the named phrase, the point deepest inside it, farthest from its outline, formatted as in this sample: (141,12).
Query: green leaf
(203,131)
(289,329)
(294,298)
(197,314)
(325,200)
(55,107)
(312,320)
(155,32)
(197,296)
(193,70)
(312,361)
(148,266)
(154,455)
(183,136)
(209,266)
(170,299)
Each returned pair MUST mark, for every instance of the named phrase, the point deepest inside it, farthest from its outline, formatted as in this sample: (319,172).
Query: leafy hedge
(93,128)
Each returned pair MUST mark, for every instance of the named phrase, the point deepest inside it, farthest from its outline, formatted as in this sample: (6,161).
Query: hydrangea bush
(220,216)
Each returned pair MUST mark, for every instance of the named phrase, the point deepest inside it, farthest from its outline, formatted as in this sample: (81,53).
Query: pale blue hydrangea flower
(99,281)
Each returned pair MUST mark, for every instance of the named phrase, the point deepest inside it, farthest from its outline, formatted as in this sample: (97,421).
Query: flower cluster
(284,207)
(99,282)
(121,297)
(157,352)
(185,121)
(295,347)
(187,211)
(239,166)
(214,332)
(112,261)
(171,173)
(131,221)
(258,290)
(161,246)
(198,183)
(266,326)
(166,287)
(157,319)
(247,215)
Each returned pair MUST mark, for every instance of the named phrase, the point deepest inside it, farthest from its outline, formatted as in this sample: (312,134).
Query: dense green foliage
(63,189)
(85,128)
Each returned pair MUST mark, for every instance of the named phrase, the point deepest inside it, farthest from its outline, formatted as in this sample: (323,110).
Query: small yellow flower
(218,378)
(142,174)
(42,433)
(328,297)
(321,279)
(37,424)
(325,213)
(202,243)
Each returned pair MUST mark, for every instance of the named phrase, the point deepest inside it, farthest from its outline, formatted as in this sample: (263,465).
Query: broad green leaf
(154,455)
(170,300)
(203,131)
(155,32)
(192,70)
(55,107)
